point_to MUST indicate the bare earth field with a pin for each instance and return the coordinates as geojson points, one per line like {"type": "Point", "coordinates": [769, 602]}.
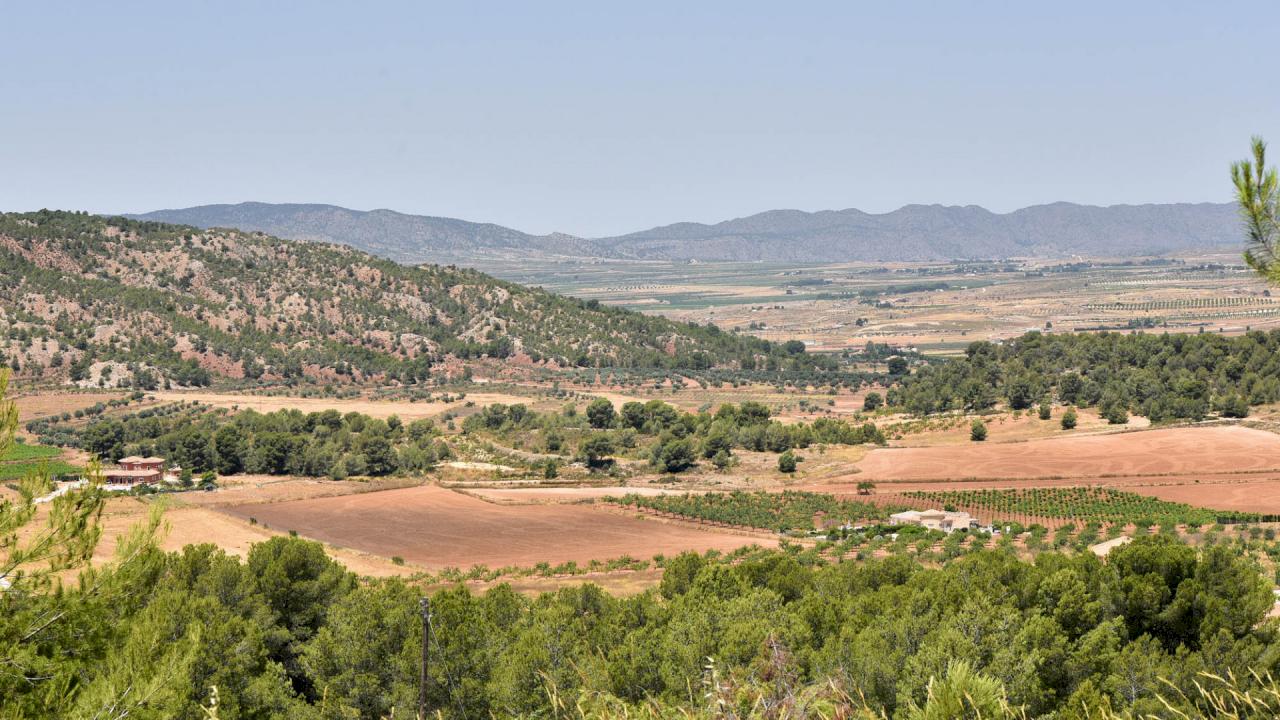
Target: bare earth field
{"type": "Point", "coordinates": [543, 495]}
{"type": "Point", "coordinates": [437, 528]}
{"type": "Point", "coordinates": [1249, 496]}
{"type": "Point", "coordinates": [1174, 451]}
{"type": "Point", "coordinates": [44, 404]}
{"type": "Point", "coordinates": [244, 489]}
{"type": "Point", "coordinates": [1134, 483]}
{"type": "Point", "coordinates": [1005, 428]}
{"type": "Point", "coordinates": [374, 408]}
{"type": "Point", "coordinates": [195, 525]}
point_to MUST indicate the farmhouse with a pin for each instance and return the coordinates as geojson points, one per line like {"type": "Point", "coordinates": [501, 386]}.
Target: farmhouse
{"type": "Point", "coordinates": [133, 462]}
{"type": "Point", "coordinates": [135, 470]}
{"type": "Point", "coordinates": [943, 520]}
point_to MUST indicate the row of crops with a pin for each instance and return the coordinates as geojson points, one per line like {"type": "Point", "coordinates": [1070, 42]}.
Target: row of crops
{"type": "Point", "coordinates": [784, 511]}
{"type": "Point", "coordinates": [1087, 504]}
{"type": "Point", "coordinates": [1182, 304]}
{"type": "Point", "coordinates": [22, 459]}
{"type": "Point", "coordinates": [22, 451]}
{"type": "Point", "coordinates": [19, 470]}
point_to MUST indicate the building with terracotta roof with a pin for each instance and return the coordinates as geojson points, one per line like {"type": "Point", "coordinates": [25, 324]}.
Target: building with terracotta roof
{"type": "Point", "coordinates": [133, 462]}
{"type": "Point", "coordinates": [135, 470]}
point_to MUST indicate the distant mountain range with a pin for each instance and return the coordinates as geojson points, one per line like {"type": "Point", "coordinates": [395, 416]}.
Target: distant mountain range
{"type": "Point", "coordinates": [397, 236]}
{"type": "Point", "coordinates": [913, 232]}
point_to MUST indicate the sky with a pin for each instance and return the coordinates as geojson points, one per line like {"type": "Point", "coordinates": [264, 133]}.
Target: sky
{"type": "Point", "coordinates": [598, 118]}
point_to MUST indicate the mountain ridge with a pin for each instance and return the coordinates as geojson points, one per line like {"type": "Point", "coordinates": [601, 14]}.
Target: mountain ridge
{"type": "Point", "coordinates": [914, 232]}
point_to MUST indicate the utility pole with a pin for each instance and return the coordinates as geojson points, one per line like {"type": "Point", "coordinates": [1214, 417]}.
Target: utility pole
{"type": "Point", "coordinates": [424, 605]}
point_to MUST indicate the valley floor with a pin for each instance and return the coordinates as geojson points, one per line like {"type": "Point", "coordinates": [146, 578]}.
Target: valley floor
{"type": "Point", "coordinates": [463, 517]}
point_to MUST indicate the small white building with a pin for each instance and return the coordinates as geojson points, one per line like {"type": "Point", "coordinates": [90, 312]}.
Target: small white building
{"type": "Point", "coordinates": [943, 520]}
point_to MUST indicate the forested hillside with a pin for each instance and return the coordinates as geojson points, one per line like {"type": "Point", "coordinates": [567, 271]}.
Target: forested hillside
{"type": "Point", "coordinates": [110, 301]}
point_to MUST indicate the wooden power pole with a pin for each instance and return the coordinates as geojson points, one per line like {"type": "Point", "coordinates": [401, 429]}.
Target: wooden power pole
{"type": "Point", "coordinates": [424, 605]}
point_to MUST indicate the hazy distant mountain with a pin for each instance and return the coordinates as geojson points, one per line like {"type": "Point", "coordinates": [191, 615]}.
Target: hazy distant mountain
{"type": "Point", "coordinates": [913, 232]}
{"type": "Point", "coordinates": [932, 232]}
{"type": "Point", "coordinates": [393, 235]}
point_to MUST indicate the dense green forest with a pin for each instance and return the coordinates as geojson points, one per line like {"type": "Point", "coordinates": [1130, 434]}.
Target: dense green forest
{"type": "Point", "coordinates": [1162, 377]}
{"type": "Point", "coordinates": [287, 633]}
{"type": "Point", "coordinates": [181, 305]}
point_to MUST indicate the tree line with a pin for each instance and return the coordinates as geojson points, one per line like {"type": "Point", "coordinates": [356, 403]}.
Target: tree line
{"type": "Point", "coordinates": [1163, 377]}
{"type": "Point", "coordinates": [284, 442]}
{"type": "Point", "coordinates": [671, 439]}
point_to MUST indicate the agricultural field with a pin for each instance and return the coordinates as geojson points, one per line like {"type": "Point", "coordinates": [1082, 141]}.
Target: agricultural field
{"type": "Point", "coordinates": [518, 518]}
{"type": "Point", "coordinates": [23, 459]}
{"type": "Point", "coordinates": [937, 307]}
{"type": "Point", "coordinates": [1030, 521]}
{"type": "Point", "coordinates": [47, 404]}
{"type": "Point", "coordinates": [1179, 451]}
{"type": "Point", "coordinates": [1248, 494]}
{"type": "Point", "coordinates": [16, 470]}
{"type": "Point", "coordinates": [436, 528]}
{"type": "Point", "coordinates": [404, 409]}
{"type": "Point", "coordinates": [21, 451]}
{"type": "Point", "coordinates": [781, 511]}
{"type": "Point", "coordinates": [187, 524]}
{"type": "Point", "coordinates": [1080, 504]}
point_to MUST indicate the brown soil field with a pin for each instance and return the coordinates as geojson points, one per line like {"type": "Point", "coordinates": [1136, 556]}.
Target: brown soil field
{"type": "Point", "coordinates": [1172, 451]}
{"type": "Point", "coordinates": [1249, 496]}
{"type": "Point", "coordinates": [382, 409]}
{"type": "Point", "coordinates": [45, 404]}
{"type": "Point", "coordinates": [545, 495]}
{"type": "Point", "coordinates": [374, 408]}
{"type": "Point", "coordinates": [439, 528]}
{"type": "Point", "coordinates": [1005, 427]}
{"type": "Point", "coordinates": [1136, 483]}
{"type": "Point", "coordinates": [247, 489]}
{"type": "Point", "coordinates": [193, 525]}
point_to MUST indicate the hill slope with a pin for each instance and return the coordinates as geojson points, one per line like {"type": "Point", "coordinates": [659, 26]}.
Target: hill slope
{"type": "Point", "coordinates": [914, 232]}
{"type": "Point", "coordinates": [96, 298]}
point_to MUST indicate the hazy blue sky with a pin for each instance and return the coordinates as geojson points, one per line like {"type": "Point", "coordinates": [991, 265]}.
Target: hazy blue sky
{"type": "Point", "coordinates": [594, 119]}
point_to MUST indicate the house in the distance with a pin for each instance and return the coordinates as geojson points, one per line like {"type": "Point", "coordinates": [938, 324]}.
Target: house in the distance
{"type": "Point", "coordinates": [135, 470]}
{"type": "Point", "coordinates": [943, 520]}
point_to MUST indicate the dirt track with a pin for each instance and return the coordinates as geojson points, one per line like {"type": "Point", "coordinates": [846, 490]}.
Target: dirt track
{"type": "Point", "coordinates": [438, 528]}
